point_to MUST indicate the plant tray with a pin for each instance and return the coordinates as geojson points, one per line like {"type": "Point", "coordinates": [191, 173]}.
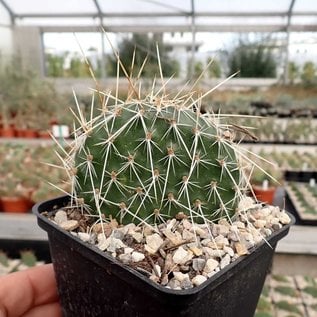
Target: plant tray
{"type": "Point", "coordinates": [299, 176]}
{"type": "Point", "coordinates": [300, 203]}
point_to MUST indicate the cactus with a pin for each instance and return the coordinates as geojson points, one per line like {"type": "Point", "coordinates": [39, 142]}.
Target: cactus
{"type": "Point", "coordinates": [148, 159]}
{"type": "Point", "coordinates": [145, 160]}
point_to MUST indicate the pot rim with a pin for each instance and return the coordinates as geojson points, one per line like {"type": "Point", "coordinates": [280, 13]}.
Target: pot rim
{"type": "Point", "coordinates": [217, 279]}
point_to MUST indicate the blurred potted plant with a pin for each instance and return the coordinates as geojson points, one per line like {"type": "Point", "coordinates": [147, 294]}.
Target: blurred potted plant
{"type": "Point", "coordinates": [14, 89]}
{"type": "Point", "coordinates": [265, 181]}
{"type": "Point", "coordinates": [18, 179]}
{"type": "Point", "coordinates": [24, 96]}
{"type": "Point", "coordinates": [15, 197]}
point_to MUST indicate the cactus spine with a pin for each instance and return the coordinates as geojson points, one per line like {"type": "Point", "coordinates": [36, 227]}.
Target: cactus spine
{"type": "Point", "coordinates": [150, 159]}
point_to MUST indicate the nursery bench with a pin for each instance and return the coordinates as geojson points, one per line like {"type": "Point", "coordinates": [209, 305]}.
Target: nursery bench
{"type": "Point", "coordinates": [20, 232]}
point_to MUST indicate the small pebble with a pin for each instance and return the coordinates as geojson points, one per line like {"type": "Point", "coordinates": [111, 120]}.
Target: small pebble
{"type": "Point", "coordinates": [225, 261]}
{"type": "Point", "coordinates": [153, 243]}
{"type": "Point", "coordinates": [181, 256]}
{"type": "Point", "coordinates": [179, 276]}
{"type": "Point", "coordinates": [84, 236]}
{"type": "Point", "coordinates": [284, 218]}
{"type": "Point", "coordinates": [199, 279]}
{"type": "Point", "coordinates": [69, 225]}
{"type": "Point", "coordinates": [125, 258]}
{"type": "Point", "coordinates": [199, 264]}
{"type": "Point", "coordinates": [60, 216]}
{"type": "Point", "coordinates": [241, 249]}
{"type": "Point", "coordinates": [211, 265]}
{"type": "Point", "coordinates": [137, 256]}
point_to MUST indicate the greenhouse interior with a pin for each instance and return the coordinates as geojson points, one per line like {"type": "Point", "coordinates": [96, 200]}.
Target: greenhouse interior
{"type": "Point", "coordinates": [140, 110]}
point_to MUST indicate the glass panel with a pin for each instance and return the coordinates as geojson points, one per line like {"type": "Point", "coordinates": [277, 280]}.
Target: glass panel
{"type": "Point", "coordinates": [305, 6]}
{"type": "Point", "coordinates": [141, 6]}
{"type": "Point", "coordinates": [51, 7]}
{"type": "Point", "coordinates": [56, 22]}
{"type": "Point", "coordinates": [85, 8]}
{"type": "Point", "coordinates": [241, 20]}
{"type": "Point", "coordinates": [242, 6]}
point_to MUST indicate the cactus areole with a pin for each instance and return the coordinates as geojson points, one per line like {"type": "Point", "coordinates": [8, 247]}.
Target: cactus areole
{"type": "Point", "coordinates": [152, 159]}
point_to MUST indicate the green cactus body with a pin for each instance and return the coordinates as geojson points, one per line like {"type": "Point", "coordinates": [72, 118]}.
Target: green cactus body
{"type": "Point", "coordinates": [143, 161]}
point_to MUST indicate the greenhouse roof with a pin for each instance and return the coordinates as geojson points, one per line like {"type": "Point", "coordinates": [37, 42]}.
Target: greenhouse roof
{"type": "Point", "coordinates": [164, 15]}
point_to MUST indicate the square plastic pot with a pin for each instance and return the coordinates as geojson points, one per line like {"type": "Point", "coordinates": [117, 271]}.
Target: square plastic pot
{"type": "Point", "coordinates": [92, 283]}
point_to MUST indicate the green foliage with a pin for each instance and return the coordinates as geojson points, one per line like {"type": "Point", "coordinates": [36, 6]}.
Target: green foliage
{"type": "Point", "coordinates": [142, 47]}
{"type": "Point", "coordinates": [312, 290]}
{"type": "Point", "coordinates": [28, 258]}
{"type": "Point", "coordinates": [4, 260]}
{"type": "Point", "coordinates": [310, 280]}
{"type": "Point", "coordinates": [55, 65]}
{"type": "Point", "coordinates": [284, 305]}
{"type": "Point", "coordinates": [293, 72]}
{"type": "Point", "coordinates": [78, 68]}
{"type": "Point", "coordinates": [22, 169]}
{"type": "Point", "coordinates": [308, 75]}
{"type": "Point", "coordinates": [286, 290]}
{"type": "Point", "coordinates": [265, 291]}
{"type": "Point", "coordinates": [252, 60]}
{"type": "Point", "coordinates": [214, 70]}
{"type": "Point", "coordinates": [198, 69]}
{"type": "Point", "coordinates": [264, 305]}
{"type": "Point", "coordinates": [24, 95]}
{"type": "Point", "coordinates": [280, 278]}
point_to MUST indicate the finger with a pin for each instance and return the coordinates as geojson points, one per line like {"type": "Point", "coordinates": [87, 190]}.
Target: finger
{"type": "Point", "coordinates": [47, 310]}
{"type": "Point", "coordinates": [21, 291]}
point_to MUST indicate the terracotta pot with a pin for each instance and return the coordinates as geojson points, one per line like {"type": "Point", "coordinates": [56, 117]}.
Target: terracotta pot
{"type": "Point", "coordinates": [30, 133]}
{"type": "Point", "coordinates": [45, 134]}
{"type": "Point", "coordinates": [264, 195]}
{"type": "Point", "coordinates": [8, 132]}
{"type": "Point", "coordinates": [16, 204]}
{"type": "Point", "coordinates": [19, 133]}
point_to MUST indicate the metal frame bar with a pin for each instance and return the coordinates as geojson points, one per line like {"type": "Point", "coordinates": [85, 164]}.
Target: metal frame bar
{"type": "Point", "coordinates": [103, 51]}
{"type": "Point", "coordinates": [161, 14]}
{"type": "Point", "coordinates": [9, 10]}
{"type": "Point", "coordinates": [288, 26]}
{"type": "Point", "coordinates": [215, 28]}
{"type": "Point", "coordinates": [193, 44]}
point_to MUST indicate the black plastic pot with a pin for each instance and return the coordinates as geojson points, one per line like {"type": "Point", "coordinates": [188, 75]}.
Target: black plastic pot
{"type": "Point", "coordinates": [92, 283]}
{"type": "Point", "coordinates": [299, 176]}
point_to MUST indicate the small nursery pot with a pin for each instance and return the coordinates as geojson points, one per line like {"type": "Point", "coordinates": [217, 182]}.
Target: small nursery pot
{"type": "Point", "coordinates": [264, 195]}
{"type": "Point", "coordinates": [8, 132]}
{"type": "Point", "coordinates": [92, 283]}
{"type": "Point", "coordinates": [16, 204]}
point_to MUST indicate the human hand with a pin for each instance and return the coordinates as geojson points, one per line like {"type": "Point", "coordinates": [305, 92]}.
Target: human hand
{"type": "Point", "coordinates": [30, 293]}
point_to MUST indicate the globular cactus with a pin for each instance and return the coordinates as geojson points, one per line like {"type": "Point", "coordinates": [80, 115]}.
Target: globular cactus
{"type": "Point", "coordinates": [146, 160]}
